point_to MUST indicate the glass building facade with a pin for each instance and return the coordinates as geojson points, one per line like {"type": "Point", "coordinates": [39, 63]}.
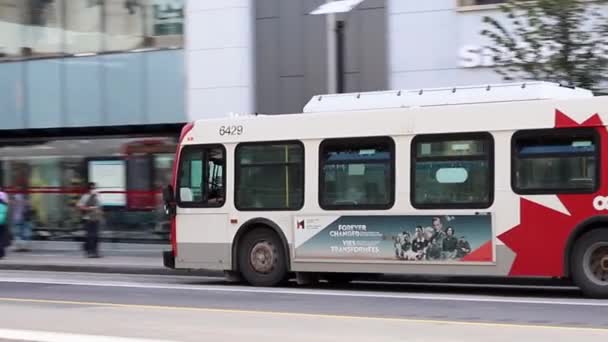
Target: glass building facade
{"type": "Point", "coordinates": [91, 90]}
{"type": "Point", "coordinates": [47, 28]}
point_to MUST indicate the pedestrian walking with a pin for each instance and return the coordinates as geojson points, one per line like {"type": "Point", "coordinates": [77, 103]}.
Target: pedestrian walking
{"type": "Point", "coordinates": [4, 231]}
{"type": "Point", "coordinates": [22, 215]}
{"type": "Point", "coordinates": [92, 214]}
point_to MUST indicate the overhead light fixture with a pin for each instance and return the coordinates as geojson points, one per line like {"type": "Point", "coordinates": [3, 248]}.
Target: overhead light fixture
{"type": "Point", "coordinates": [85, 54]}
{"type": "Point", "coordinates": [334, 7]}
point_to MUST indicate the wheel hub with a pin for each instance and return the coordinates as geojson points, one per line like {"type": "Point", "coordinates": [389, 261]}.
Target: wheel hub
{"type": "Point", "coordinates": [604, 263]}
{"type": "Point", "coordinates": [596, 263]}
{"type": "Point", "coordinates": [262, 257]}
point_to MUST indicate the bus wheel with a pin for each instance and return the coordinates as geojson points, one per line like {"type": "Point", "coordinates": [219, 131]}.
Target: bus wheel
{"type": "Point", "coordinates": [590, 263]}
{"type": "Point", "coordinates": [262, 259]}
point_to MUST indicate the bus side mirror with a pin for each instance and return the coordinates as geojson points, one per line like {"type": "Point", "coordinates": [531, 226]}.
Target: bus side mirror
{"type": "Point", "coordinates": [169, 199]}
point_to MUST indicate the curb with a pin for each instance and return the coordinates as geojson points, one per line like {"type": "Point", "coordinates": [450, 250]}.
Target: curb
{"type": "Point", "coordinates": [110, 270]}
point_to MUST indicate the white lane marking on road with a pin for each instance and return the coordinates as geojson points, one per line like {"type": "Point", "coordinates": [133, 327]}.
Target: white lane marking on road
{"type": "Point", "coordinates": [44, 336]}
{"type": "Point", "coordinates": [303, 292]}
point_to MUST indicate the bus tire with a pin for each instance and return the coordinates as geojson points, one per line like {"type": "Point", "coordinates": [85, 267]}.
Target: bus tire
{"type": "Point", "coordinates": [589, 264]}
{"type": "Point", "coordinates": [262, 259]}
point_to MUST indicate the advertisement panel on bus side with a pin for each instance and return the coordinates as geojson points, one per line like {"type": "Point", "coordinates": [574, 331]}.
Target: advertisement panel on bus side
{"type": "Point", "coordinates": [411, 238]}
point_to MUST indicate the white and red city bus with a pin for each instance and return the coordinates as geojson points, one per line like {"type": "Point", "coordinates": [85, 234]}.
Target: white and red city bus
{"type": "Point", "coordinates": [499, 180]}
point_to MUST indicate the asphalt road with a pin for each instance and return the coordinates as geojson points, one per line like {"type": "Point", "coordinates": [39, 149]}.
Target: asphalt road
{"type": "Point", "coordinates": [45, 306]}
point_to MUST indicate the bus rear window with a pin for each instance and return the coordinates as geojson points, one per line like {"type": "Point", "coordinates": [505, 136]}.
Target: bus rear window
{"type": "Point", "coordinates": [555, 161]}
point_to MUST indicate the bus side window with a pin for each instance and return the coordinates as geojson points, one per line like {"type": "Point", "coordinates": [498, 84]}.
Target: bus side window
{"type": "Point", "coordinates": [452, 171]}
{"type": "Point", "coordinates": [553, 161]}
{"type": "Point", "coordinates": [269, 176]}
{"type": "Point", "coordinates": [357, 174]}
{"type": "Point", "coordinates": [202, 176]}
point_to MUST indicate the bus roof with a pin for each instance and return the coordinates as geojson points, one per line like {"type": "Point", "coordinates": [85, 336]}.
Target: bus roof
{"type": "Point", "coordinates": [505, 92]}
{"type": "Point", "coordinates": [495, 113]}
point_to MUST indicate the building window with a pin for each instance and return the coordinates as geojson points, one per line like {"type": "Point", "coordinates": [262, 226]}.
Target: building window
{"type": "Point", "coordinates": [11, 29]}
{"type": "Point", "coordinates": [202, 176]}
{"type": "Point", "coordinates": [49, 28]}
{"type": "Point", "coordinates": [357, 173]}
{"type": "Point", "coordinates": [555, 161]}
{"type": "Point", "coordinates": [135, 24]}
{"type": "Point", "coordinates": [125, 22]}
{"type": "Point", "coordinates": [83, 26]}
{"type": "Point", "coordinates": [167, 18]}
{"type": "Point", "coordinates": [465, 3]}
{"type": "Point", "coordinates": [31, 28]}
{"type": "Point", "coordinates": [270, 176]}
{"type": "Point", "coordinates": [452, 171]}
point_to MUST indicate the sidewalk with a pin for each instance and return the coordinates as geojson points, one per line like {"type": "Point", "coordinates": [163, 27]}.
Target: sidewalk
{"type": "Point", "coordinates": [117, 258]}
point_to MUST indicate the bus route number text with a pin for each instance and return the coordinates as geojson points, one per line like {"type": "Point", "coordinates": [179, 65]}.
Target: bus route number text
{"type": "Point", "coordinates": [231, 130]}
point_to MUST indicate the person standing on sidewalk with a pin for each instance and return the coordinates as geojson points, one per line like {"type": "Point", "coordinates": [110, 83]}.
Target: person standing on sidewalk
{"type": "Point", "coordinates": [4, 233]}
{"type": "Point", "coordinates": [22, 216]}
{"type": "Point", "coordinates": [92, 214]}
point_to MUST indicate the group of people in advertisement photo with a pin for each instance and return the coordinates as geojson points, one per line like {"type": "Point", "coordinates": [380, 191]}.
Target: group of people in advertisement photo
{"type": "Point", "coordinates": [431, 243]}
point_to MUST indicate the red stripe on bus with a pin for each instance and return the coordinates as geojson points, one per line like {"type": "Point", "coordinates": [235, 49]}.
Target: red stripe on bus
{"type": "Point", "coordinates": [79, 191]}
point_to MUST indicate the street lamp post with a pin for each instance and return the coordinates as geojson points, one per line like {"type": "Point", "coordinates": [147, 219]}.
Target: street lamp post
{"type": "Point", "coordinates": [332, 61]}
{"type": "Point", "coordinates": [336, 40]}
{"type": "Point", "coordinates": [340, 60]}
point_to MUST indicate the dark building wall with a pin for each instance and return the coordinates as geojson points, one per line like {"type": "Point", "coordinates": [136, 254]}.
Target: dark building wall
{"type": "Point", "coordinates": [291, 50]}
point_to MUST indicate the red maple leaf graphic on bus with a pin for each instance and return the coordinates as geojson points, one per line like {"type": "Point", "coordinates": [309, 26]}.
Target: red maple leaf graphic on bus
{"type": "Point", "coordinates": [540, 238]}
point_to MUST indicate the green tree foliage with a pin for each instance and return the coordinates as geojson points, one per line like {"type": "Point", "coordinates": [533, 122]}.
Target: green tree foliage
{"type": "Point", "coordinates": [551, 40]}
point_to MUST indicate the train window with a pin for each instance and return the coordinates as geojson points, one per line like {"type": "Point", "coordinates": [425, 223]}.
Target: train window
{"type": "Point", "coordinates": [109, 176]}
{"type": "Point", "coordinates": [555, 161]}
{"type": "Point", "coordinates": [140, 171]}
{"type": "Point", "coordinates": [269, 176]}
{"type": "Point", "coordinates": [202, 176]}
{"type": "Point", "coordinates": [452, 171]}
{"type": "Point", "coordinates": [357, 174]}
